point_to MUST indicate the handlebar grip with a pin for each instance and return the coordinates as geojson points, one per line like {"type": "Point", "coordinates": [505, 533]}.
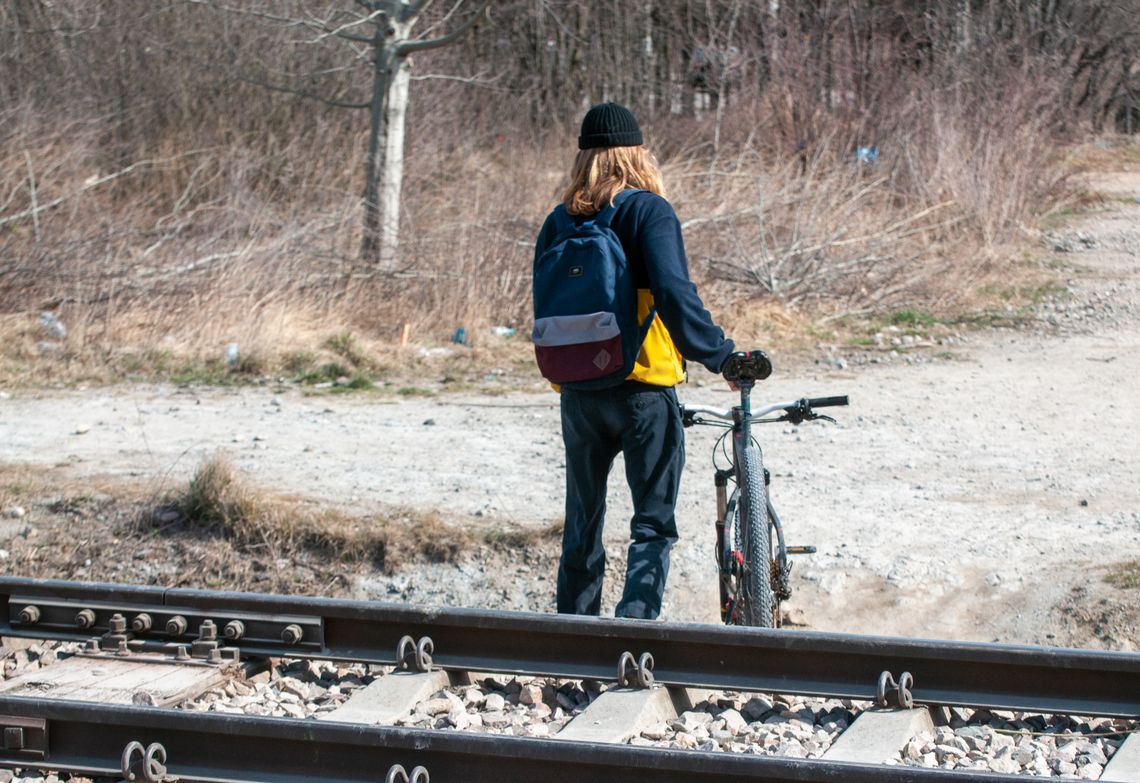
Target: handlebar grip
{"type": "Point", "coordinates": [824, 402]}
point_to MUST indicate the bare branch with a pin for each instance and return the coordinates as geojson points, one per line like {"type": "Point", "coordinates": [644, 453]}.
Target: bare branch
{"type": "Point", "coordinates": [412, 10]}
{"type": "Point", "coordinates": [728, 216]}
{"type": "Point", "coordinates": [409, 47]}
{"type": "Point", "coordinates": [192, 266]}
{"type": "Point", "coordinates": [88, 185]}
{"type": "Point", "coordinates": [439, 22]}
{"type": "Point", "coordinates": [32, 189]}
{"type": "Point", "coordinates": [478, 79]}
{"type": "Point", "coordinates": [286, 20]}
{"type": "Point", "coordinates": [342, 30]}
{"type": "Point", "coordinates": [562, 25]}
{"type": "Point", "coordinates": [302, 93]}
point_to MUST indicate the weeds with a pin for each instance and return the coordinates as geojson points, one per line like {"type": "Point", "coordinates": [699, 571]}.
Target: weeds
{"type": "Point", "coordinates": [329, 372]}
{"type": "Point", "coordinates": [913, 319]}
{"type": "Point", "coordinates": [1125, 575]}
{"type": "Point", "coordinates": [522, 538]}
{"type": "Point", "coordinates": [218, 501]}
{"type": "Point", "coordinates": [345, 346]}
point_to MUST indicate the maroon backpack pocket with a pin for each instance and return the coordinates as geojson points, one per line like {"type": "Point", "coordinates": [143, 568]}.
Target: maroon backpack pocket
{"type": "Point", "coordinates": [572, 348]}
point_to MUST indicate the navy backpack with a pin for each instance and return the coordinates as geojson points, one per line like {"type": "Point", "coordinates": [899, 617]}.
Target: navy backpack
{"type": "Point", "coordinates": [586, 333]}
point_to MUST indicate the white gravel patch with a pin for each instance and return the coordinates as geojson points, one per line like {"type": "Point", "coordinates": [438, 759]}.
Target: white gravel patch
{"type": "Point", "coordinates": [1019, 744]}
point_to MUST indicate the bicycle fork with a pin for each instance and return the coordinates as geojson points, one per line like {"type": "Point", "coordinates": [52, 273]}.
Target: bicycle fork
{"type": "Point", "coordinates": [730, 563]}
{"type": "Point", "coordinates": [721, 481]}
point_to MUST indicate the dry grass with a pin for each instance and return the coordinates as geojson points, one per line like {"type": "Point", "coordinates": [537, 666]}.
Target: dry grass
{"type": "Point", "coordinates": [1125, 575]}
{"type": "Point", "coordinates": [219, 501]}
{"type": "Point", "coordinates": [523, 539]}
{"type": "Point", "coordinates": [219, 531]}
{"type": "Point", "coordinates": [158, 261]}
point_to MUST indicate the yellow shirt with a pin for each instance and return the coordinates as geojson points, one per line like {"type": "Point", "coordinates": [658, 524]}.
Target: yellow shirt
{"type": "Point", "coordinates": [659, 363]}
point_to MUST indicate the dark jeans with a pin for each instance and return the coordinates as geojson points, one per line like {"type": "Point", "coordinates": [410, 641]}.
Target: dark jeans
{"type": "Point", "coordinates": [643, 423]}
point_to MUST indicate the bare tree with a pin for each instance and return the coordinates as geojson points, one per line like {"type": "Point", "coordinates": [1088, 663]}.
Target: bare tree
{"type": "Point", "coordinates": [379, 36]}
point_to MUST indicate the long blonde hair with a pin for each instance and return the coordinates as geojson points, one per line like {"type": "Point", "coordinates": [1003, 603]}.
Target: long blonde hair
{"type": "Point", "coordinates": [601, 173]}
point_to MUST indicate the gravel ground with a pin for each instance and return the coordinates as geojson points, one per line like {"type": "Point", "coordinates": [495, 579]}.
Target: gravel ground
{"type": "Point", "coordinates": [981, 486]}
{"type": "Point", "coordinates": [765, 724]}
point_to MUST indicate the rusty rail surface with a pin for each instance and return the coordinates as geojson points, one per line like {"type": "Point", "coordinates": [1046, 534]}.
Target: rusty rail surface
{"type": "Point", "coordinates": [212, 624]}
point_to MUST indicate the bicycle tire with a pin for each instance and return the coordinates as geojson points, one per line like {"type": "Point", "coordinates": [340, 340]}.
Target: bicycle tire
{"type": "Point", "coordinates": [753, 526]}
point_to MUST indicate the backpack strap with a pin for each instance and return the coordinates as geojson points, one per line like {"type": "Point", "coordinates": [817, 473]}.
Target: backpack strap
{"type": "Point", "coordinates": [565, 223]}
{"type": "Point", "coordinates": [562, 220]}
{"type": "Point", "coordinates": [604, 217]}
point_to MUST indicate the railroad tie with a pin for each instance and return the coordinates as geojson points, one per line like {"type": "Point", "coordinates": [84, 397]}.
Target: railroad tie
{"type": "Point", "coordinates": [622, 713]}
{"type": "Point", "coordinates": [877, 734]}
{"type": "Point", "coordinates": [138, 679]}
{"type": "Point", "coordinates": [1124, 766]}
{"type": "Point", "coordinates": [389, 698]}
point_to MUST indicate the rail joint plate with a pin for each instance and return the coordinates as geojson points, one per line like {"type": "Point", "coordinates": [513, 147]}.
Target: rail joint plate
{"type": "Point", "coordinates": [24, 738]}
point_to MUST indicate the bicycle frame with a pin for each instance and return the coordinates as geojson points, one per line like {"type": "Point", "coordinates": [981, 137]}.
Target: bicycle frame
{"type": "Point", "coordinates": [742, 417]}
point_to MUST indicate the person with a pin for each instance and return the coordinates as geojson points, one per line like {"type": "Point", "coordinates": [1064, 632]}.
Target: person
{"type": "Point", "coordinates": [640, 418]}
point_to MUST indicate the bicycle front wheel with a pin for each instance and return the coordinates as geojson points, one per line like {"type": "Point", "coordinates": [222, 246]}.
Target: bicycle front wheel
{"type": "Point", "coordinates": [755, 585]}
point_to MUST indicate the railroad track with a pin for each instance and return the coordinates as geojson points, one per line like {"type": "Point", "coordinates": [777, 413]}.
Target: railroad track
{"type": "Point", "coordinates": [219, 629]}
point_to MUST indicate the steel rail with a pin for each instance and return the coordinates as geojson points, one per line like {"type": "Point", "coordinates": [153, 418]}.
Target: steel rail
{"type": "Point", "coordinates": [88, 738]}
{"type": "Point", "coordinates": [997, 676]}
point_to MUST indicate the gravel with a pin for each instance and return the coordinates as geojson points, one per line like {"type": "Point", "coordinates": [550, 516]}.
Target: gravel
{"type": "Point", "coordinates": [1020, 744]}
{"type": "Point", "coordinates": [762, 724]}
{"type": "Point", "coordinates": [732, 722]}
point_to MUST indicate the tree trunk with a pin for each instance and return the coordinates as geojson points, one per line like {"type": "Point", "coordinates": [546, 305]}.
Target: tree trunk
{"type": "Point", "coordinates": [371, 242]}
{"type": "Point", "coordinates": [384, 170]}
{"type": "Point", "coordinates": [393, 175]}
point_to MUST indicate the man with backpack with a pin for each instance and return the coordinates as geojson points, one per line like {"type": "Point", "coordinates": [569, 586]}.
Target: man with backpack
{"type": "Point", "coordinates": [616, 316]}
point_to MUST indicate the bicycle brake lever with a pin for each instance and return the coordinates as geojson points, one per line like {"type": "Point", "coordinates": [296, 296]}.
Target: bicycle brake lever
{"type": "Point", "coordinates": [825, 418]}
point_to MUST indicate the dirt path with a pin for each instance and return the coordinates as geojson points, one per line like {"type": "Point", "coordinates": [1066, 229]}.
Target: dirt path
{"type": "Point", "coordinates": [963, 496]}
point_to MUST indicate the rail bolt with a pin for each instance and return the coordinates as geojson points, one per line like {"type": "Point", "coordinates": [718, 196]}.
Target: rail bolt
{"type": "Point", "coordinates": [30, 615]}
{"type": "Point", "coordinates": [117, 623]}
{"type": "Point", "coordinates": [85, 618]}
{"type": "Point", "coordinates": [176, 625]}
{"type": "Point", "coordinates": [234, 630]}
{"type": "Point", "coordinates": [207, 631]}
{"type": "Point", "coordinates": [292, 634]}
{"type": "Point", "coordinates": [141, 623]}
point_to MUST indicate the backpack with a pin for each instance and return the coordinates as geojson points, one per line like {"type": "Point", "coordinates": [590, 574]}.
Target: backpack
{"type": "Point", "coordinates": [586, 333]}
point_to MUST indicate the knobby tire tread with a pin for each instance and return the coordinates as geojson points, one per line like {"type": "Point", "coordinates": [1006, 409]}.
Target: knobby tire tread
{"type": "Point", "coordinates": [754, 526]}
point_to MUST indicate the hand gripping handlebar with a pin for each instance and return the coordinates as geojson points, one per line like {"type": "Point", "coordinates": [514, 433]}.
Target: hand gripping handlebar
{"type": "Point", "coordinates": [750, 366]}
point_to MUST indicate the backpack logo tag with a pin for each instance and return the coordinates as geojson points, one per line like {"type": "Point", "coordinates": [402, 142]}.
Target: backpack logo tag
{"type": "Point", "coordinates": [602, 360]}
{"type": "Point", "coordinates": [576, 271]}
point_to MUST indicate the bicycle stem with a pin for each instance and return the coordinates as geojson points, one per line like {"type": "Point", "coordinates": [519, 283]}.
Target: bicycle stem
{"type": "Point", "coordinates": [742, 415]}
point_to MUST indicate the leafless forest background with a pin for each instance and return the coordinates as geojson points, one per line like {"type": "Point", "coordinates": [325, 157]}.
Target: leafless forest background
{"type": "Point", "coordinates": [169, 185]}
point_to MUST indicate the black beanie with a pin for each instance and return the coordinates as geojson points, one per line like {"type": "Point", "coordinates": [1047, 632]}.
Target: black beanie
{"type": "Point", "coordinates": [609, 125]}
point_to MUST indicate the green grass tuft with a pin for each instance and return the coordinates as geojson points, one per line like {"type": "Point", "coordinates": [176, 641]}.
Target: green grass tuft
{"type": "Point", "coordinates": [912, 318]}
{"type": "Point", "coordinates": [1125, 576]}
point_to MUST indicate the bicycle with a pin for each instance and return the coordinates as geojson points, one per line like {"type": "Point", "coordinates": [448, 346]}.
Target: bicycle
{"type": "Point", "coordinates": [754, 575]}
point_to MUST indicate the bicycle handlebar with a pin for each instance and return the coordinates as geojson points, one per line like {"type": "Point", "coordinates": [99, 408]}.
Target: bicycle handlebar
{"type": "Point", "coordinates": [795, 410]}
{"type": "Point", "coordinates": [824, 402]}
